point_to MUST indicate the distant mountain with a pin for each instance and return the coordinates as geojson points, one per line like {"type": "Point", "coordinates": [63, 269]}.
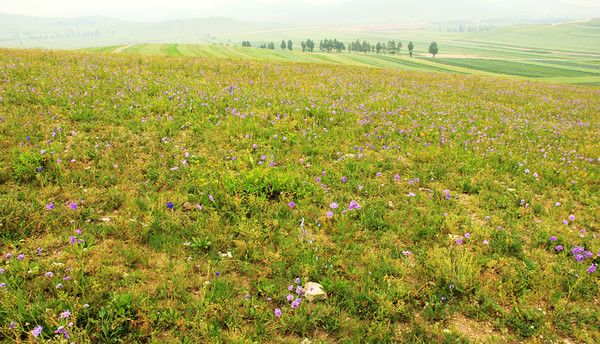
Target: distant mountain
{"type": "Point", "coordinates": [386, 11]}
{"type": "Point", "coordinates": [27, 31]}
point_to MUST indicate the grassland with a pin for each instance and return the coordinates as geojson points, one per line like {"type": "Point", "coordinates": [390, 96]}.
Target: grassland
{"type": "Point", "coordinates": [176, 199]}
{"type": "Point", "coordinates": [472, 53]}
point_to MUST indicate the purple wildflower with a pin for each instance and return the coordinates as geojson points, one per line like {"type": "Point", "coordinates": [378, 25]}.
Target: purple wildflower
{"type": "Point", "coordinates": [329, 214]}
{"type": "Point", "coordinates": [21, 257]}
{"type": "Point", "coordinates": [447, 193]}
{"type": "Point", "coordinates": [565, 222]}
{"type": "Point", "coordinates": [553, 238]}
{"type": "Point", "coordinates": [411, 194]}
{"type": "Point", "coordinates": [211, 198]}
{"type": "Point", "coordinates": [298, 280]}
{"type": "Point", "coordinates": [295, 303]}
{"type": "Point", "coordinates": [353, 205]}
{"type": "Point", "coordinates": [170, 205]}
{"type": "Point", "coordinates": [290, 287]}
{"type": "Point", "coordinates": [38, 251]}
{"type": "Point", "coordinates": [62, 330]}
{"type": "Point", "coordinates": [292, 205]}
{"type": "Point", "coordinates": [2, 285]}
{"type": "Point", "coordinates": [37, 331]}
{"type": "Point", "coordinates": [72, 240]}
{"type": "Point", "coordinates": [49, 274]}
{"type": "Point", "coordinates": [572, 217]}
{"type": "Point", "coordinates": [591, 269]}
{"type": "Point", "coordinates": [290, 297]}
{"type": "Point", "coordinates": [64, 315]}
{"type": "Point", "coordinates": [277, 313]}
{"type": "Point", "coordinates": [333, 205]}
{"type": "Point", "coordinates": [12, 325]}
{"type": "Point", "coordinates": [73, 205]}
{"type": "Point", "coordinates": [344, 179]}
{"type": "Point", "coordinates": [467, 235]}
{"type": "Point", "coordinates": [459, 241]}
{"type": "Point", "coordinates": [50, 206]}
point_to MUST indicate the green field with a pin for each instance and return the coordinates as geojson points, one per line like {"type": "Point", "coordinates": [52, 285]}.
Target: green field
{"type": "Point", "coordinates": [176, 199]}
{"type": "Point", "coordinates": [550, 53]}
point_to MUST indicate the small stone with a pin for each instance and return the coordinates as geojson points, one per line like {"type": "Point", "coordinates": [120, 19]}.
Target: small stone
{"type": "Point", "coordinates": [226, 255]}
{"type": "Point", "coordinates": [314, 291]}
{"type": "Point", "coordinates": [105, 219]}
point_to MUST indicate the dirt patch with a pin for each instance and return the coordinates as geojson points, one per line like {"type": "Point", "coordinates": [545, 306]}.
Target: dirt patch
{"type": "Point", "coordinates": [475, 331]}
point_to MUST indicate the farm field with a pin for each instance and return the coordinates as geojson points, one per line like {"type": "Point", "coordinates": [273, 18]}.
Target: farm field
{"type": "Point", "coordinates": [546, 66]}
{"type": "Point", "coordinates": [163, 193]}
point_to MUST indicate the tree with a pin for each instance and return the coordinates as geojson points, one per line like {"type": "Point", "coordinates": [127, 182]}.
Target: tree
{"type": "Point", "coordinates": [303, 45]}
{"type": "Point", "coordinates": [366, 47]}
{"type": "Point", "coordinates": [310, 45]}
{"type": "Point", "coordinates": [271, 46]}
{"type": "Point", "coordinates": [283, 45]}
{"type": "Point", "coordinates": [411, 47]}
{"type": "Point", "coordinates": [391, 46]}
{"type": "Point", "coordinates": [289, 44]}
{"type": "Point", "coordinates": [433, 49]}
{"type": "Point", "coordinates": [398, 47]}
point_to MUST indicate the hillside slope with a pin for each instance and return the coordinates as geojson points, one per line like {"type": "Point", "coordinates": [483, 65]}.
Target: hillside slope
{"type": "Point", "coordinates": [173, 199]}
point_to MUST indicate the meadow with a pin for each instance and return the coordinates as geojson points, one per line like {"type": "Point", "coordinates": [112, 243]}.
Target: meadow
{"type": "Point", "coordinates": [175, 199]}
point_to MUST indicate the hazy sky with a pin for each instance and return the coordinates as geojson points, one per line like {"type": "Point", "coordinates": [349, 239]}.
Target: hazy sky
{"type": "Point", "coordinates": [160, 9]}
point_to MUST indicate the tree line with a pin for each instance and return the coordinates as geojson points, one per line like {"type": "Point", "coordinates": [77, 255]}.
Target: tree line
{"type": "Point", "coordinates": [330, 45]}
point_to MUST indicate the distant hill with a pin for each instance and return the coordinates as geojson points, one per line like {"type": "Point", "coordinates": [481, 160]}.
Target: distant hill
{"type": "Point", "coordinates": [28, 31]}
{"type": "Point", "coordinates": [85, 32]}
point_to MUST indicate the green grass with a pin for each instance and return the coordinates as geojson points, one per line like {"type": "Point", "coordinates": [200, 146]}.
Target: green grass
{"type": "Point", "coordinates": [205, 186]}
{"type": "Point", "coordinates": [514, 68]}
{"type": "Point", "coordinates": [514, 64]}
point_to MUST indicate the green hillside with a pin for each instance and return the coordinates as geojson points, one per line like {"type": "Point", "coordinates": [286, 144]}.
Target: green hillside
{"type": "Point", "coordinates": [548, 67]}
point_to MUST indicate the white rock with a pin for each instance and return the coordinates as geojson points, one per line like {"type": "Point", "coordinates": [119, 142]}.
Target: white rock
{"type": "Point", "coordinates": [226, 255]}
{"type": "Point", "coordinates": [314, 291]}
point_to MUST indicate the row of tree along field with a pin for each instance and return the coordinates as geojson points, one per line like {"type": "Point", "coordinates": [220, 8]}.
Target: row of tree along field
{"type": "Point", "coordinates": [333, 45]}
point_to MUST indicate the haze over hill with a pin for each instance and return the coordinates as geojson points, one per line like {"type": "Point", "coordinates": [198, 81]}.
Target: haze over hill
{"type": "Point", "coordinates": [312, 11]}
{"type": "Point", "coordinates": [95, 31]}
